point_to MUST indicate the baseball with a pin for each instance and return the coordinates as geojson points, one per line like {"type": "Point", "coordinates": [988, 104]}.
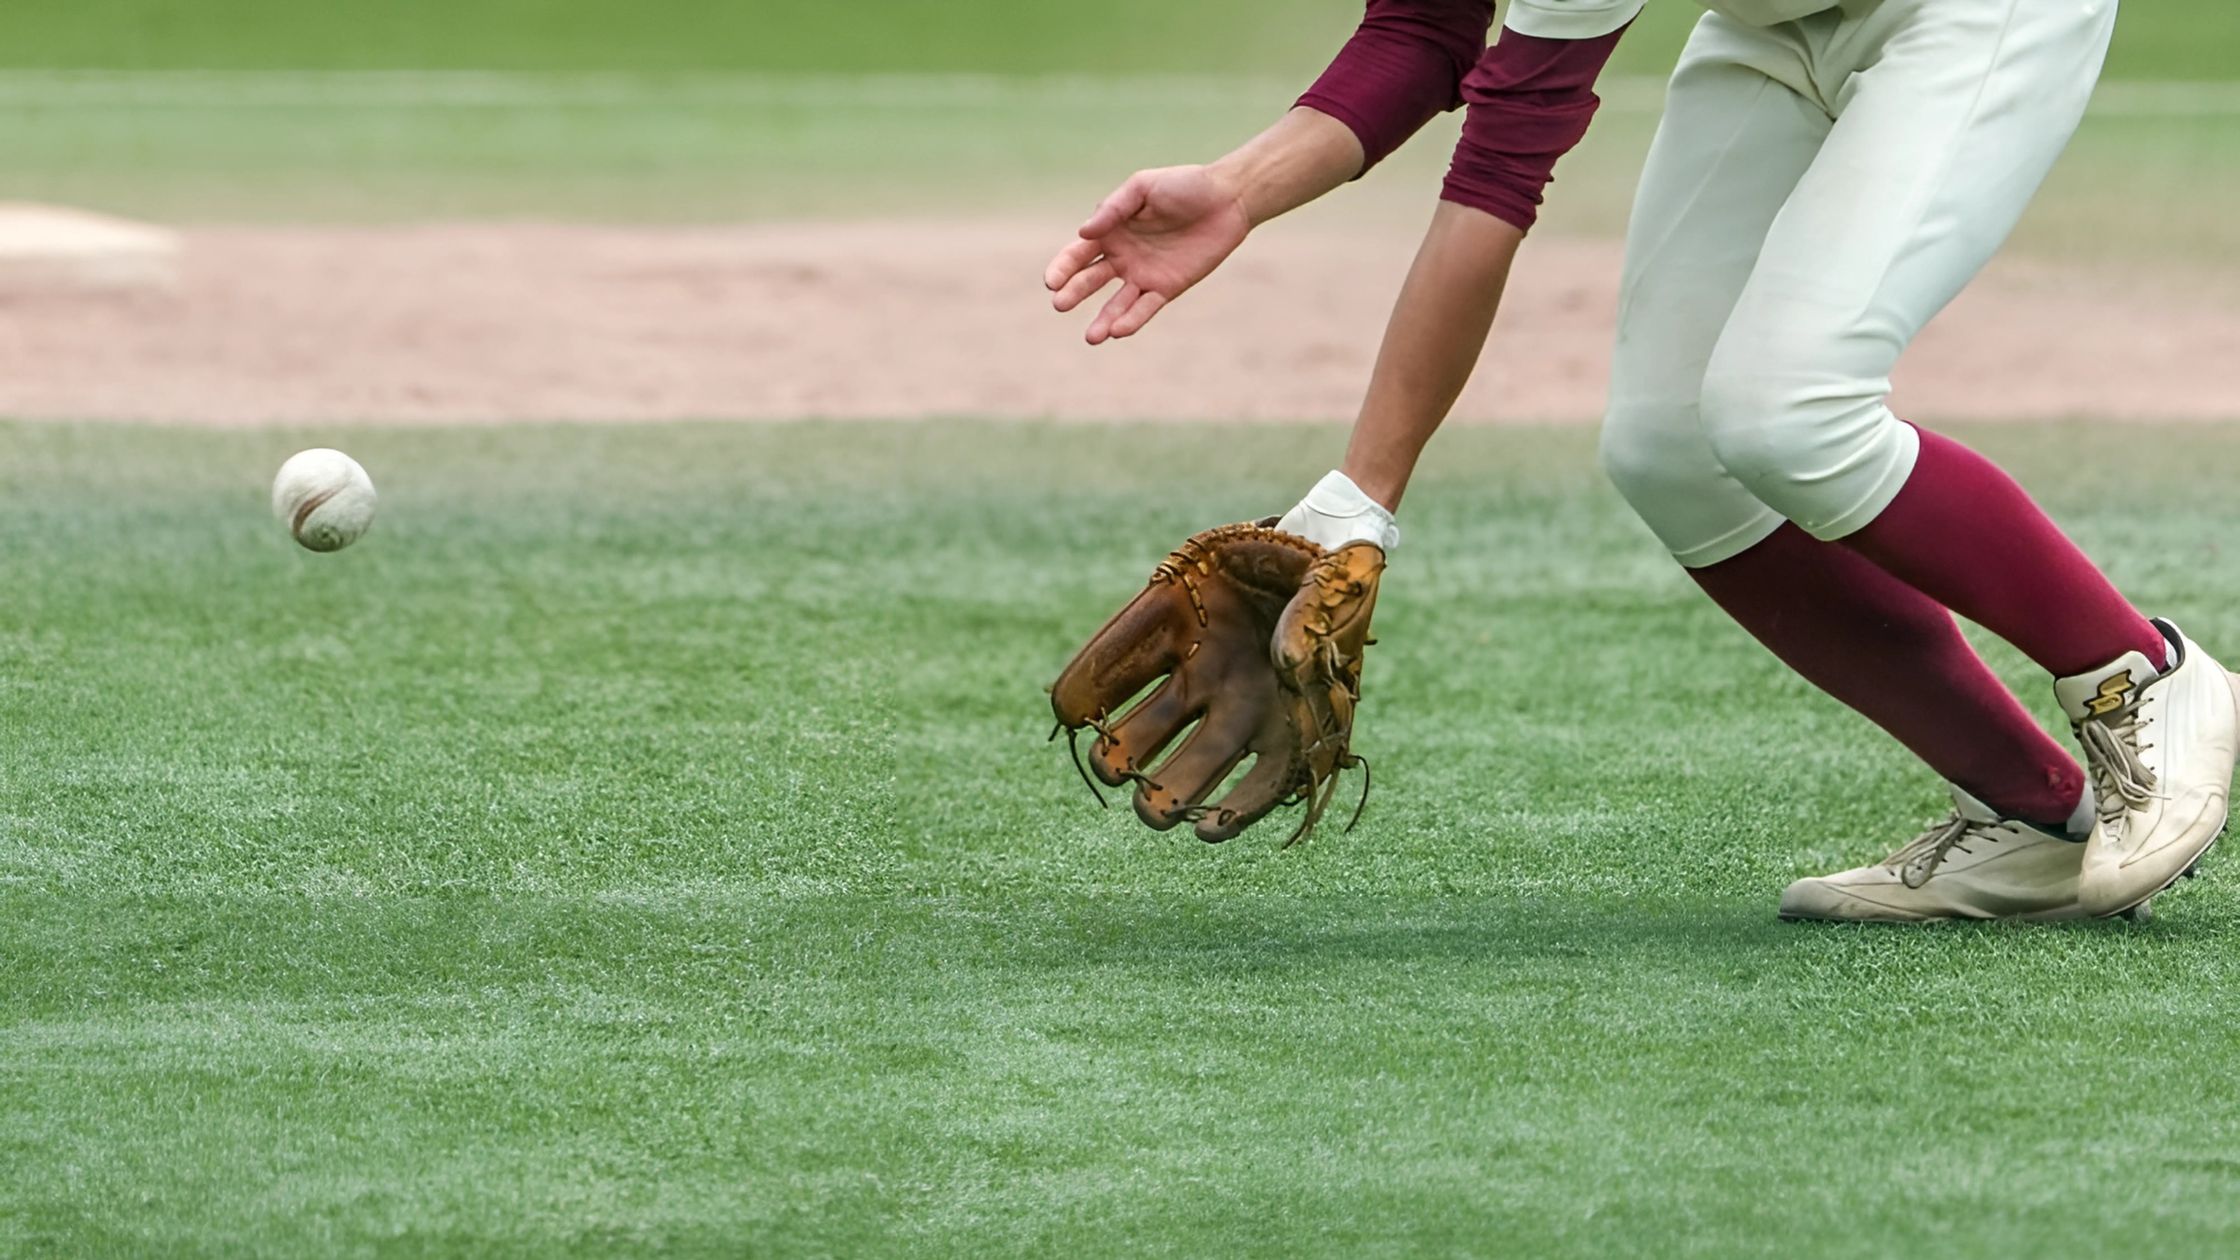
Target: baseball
{"type": "Point", "coordinates": [324, 498]}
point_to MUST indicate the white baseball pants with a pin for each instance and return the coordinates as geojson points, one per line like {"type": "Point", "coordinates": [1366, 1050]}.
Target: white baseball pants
{"type": "Point", "coordinates": [1818, 190]}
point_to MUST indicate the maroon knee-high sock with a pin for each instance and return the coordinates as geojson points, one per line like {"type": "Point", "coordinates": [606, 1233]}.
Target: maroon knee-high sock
{"type": "Point", "coordinates": [1894, 654]}
{"type": "Point", "coordinates": [1964, 534]}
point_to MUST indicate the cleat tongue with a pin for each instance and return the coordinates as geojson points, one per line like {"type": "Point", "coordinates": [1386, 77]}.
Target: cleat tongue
{"type": "Point", "coordinates": [2109, 689]}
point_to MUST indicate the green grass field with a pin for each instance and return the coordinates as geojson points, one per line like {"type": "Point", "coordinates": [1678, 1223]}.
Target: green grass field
{"type": "Point", "coordinates": [2146, 181]}
{"type": "Point", "coordinates": [267, 111]}
{"type": "Point", "coordinates": [2178, 39]}
{"type": "Point", "coordinates": [645, 841]}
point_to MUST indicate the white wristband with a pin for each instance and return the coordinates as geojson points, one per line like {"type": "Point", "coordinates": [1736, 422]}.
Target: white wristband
{"type": "Point", "coordinates": [1337, 512]}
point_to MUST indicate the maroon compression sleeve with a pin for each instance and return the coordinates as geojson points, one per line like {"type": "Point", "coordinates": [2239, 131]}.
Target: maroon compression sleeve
{"type": "Point", "coordinates": [1530, 101]}
{"type": "Point", "coordinates": [1963, 532]}
{"type": "Point", "coordinates": [1403, 65]}
{"type": "Point", "coordinates": [1893, 653]}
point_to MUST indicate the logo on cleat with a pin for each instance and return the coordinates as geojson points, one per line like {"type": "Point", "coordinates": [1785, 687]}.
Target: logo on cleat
{"type": "Point", "coordinates": [2110, 697]}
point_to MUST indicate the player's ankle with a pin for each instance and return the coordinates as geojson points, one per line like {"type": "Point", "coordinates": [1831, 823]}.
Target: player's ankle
{"type": "Point", "coordinates": [2066, 807]}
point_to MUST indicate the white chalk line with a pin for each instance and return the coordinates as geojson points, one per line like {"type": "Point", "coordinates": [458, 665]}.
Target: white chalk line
{"type": "Point", "coordinates": [481, 89]}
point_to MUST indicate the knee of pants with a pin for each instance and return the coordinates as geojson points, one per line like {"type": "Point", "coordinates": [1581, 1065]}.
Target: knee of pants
{"type": "Point", "coordinates": [1654, 452]}
{"type": "Point", "coordinates": [1646, 457]}
{"type": "Point", "coordinates": [1753, 424]}
{"type": "Point", "coordinates": [1820, 449]}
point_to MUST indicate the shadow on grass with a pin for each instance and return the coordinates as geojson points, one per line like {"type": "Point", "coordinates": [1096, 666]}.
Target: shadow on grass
{"type": "Point", "coordinates": [1309, 933]}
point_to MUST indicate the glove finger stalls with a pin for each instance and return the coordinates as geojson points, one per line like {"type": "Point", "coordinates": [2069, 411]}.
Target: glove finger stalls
{"type": "Point", "coordinates": [1141, 642]}
{"type": "Point", "coordinates": [1265, 786]}
{"type": "Point", "coordinates": [1206, 758]}
{"type": "Point", "coordinates": [1140, 734]}
{"type": "Point", "coordinates": [1261, 626]}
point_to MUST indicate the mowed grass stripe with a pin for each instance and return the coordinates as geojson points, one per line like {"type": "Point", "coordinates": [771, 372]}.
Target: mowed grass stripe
{"type": "Point", "coordinates": [358, 146]}
{"type": "Point", "coordinates": [495, 89]}
{"type": "Point", "coordinates": [1246, 1076]}
{"type": "Point", "coordinates": [2183, 39]}
{"type": "Point", "coordinates": [645, 839]}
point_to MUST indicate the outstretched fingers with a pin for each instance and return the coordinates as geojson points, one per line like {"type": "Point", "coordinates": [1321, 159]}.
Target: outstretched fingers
{"type": "Point", "coordinates": [1128, 311]}
{"type": "Point", "coordinates": [1084, 283]}
{"type": "Point", "coordinates": [1101, 327]}
{"type": "Point", "coordinates": [1068, 262]}
{"type": "Point", "coordinates": [1138, 315]}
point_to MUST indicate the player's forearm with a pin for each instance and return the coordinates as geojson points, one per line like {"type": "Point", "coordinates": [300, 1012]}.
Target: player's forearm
{"type": "Point", "coordinates": [1431, 344]}
{"type": "Point", "coordinates": [1530, 99]}
{"type": "Point", "coordinates": [1304, 155]}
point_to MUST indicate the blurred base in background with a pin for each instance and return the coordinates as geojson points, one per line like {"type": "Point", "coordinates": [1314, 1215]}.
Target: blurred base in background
{"type": "Point", "coordinates": [55, 251]}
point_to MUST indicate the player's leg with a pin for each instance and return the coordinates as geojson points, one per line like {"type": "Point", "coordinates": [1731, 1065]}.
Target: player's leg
{"type": "Point", "coordinates": [1736, 137]}
{"type": "Point", "coordinates": [1957, 112]}
{"type": "Point", "coordinates": [1740, 129]}
{"type": "Point", "coordinates": [1953, 115]}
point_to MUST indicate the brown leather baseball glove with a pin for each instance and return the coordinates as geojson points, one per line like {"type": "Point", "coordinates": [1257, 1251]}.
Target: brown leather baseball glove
{"type": "Point", "coordinates": [1254, 634]}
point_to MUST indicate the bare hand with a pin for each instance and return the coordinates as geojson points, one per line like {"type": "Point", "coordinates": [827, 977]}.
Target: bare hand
{"type": "Point", "coordinates": [1159, 233]}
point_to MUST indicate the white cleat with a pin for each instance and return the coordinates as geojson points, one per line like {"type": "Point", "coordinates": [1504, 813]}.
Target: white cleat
{"type": "Point", "coordinates": [1973, 865]}
{"type": "Point", "coordinates": [2160, 745]}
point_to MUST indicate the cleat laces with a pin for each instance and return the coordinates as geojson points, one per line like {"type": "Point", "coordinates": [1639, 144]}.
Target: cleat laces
{"type": "Point", "coordinates": [1919, 857]}
{"type": "Point", "coordinates": [2120, 776]}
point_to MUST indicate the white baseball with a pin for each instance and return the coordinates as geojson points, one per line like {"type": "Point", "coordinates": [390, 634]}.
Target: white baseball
{"type": "Point", "coordinates": [324, 498]}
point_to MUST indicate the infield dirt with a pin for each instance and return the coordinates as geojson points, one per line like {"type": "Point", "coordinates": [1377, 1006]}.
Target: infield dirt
{"type": "Point", "coordinates": [513, 321]}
